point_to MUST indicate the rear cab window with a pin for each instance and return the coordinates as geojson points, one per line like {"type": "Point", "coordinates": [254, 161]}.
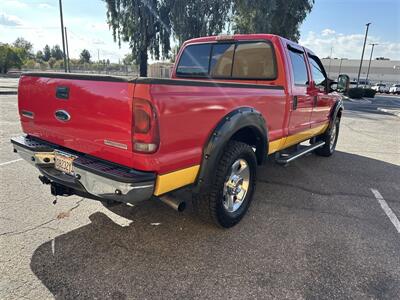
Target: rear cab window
{"type": "Point", "coordinates": [194, 61]}
{"type": "Point", "coordinates": [229, 60]}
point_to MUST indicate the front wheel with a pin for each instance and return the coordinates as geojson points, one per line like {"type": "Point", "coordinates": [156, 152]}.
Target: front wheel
{"type": "Point", "coordinates": [330, 138]}
{"type": "Point", "coordinates": [231, 190]}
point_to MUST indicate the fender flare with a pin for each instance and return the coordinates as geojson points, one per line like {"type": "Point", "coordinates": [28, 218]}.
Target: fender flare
{"type": "Point", "coordinates": [336, 108]}
{"type": "Point", "coordinates": [244, 117]}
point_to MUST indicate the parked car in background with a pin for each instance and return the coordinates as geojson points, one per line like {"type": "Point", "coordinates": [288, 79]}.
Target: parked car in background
{"type": "Point", "coordinates": [380, 88]}
{"type": "Point", "coordinates": [394, 89]}
{"type": "Point", "coordinates": [362, 83]}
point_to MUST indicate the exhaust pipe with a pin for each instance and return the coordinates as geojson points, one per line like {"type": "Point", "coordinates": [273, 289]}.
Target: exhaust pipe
{"type": "Point", "coordinates": [178, 205]}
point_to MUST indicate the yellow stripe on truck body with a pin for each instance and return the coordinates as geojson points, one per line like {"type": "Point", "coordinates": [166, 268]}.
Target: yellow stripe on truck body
{"type": "Point", "coordinates": [177, 179]}
{"type": "Point", "coordinates": [174, 180]}
{"type": "Point", "coordinates": [294, 139]}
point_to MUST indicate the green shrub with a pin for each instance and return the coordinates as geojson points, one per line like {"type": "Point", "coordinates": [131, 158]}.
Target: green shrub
{"type": "Point", "coordinates": [370, 93]}
{"type": "Point", "coordinates": [356, 93]}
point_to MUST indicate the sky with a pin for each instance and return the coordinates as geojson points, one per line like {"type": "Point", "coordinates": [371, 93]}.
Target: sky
{"type": "Point", "coordinates": [333, 26]}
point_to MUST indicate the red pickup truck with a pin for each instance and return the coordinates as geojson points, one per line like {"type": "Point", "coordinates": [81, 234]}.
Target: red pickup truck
{"type": "Point", "coordinates": [232, 101]}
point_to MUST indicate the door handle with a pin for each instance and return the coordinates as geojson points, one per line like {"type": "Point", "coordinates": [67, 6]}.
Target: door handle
{"type": "Point", "coordinates": [294, 105]}
{"type": "Point", "coordinates": [315, 100]}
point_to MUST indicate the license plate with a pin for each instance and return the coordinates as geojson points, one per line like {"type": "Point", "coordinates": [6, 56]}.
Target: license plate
{"type": "Point", "coordinates": [63, 162]}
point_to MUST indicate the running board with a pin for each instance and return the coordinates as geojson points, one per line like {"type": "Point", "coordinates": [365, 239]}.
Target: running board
{"type": "Point", "coordinates": [287, 159]}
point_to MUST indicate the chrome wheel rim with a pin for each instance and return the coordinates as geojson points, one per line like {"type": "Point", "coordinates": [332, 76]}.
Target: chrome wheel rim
{"type": "Point", "coordinates": [236, 185]}
{"type": "Point", "coordinates": [333, 137]}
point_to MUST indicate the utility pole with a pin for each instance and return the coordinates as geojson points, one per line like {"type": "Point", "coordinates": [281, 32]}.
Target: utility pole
{"type": "Point", "coordinates": [62, 35]}
{"type": "Point", "coordinates": [370, 58]}
{"type": "Point", "coordinates": [330, 59]}
{"type": "Point", "coordinates": [66, 44]}
{"type": "Point", "coordinates": [98, 55]}
{"type": "Point", "coordinates": [362, 54]}
{"type": "Point", "coordinates": [340, 66]}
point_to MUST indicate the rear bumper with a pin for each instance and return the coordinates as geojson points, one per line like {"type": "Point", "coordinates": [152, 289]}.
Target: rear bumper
{"type": "Point", "coordinates": [93, 178]}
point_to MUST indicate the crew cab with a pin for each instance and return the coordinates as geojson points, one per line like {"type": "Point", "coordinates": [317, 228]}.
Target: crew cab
{"type": "Point", "coordinates": [232, 103]}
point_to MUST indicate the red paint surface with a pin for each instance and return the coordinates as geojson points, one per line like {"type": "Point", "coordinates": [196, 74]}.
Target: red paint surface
{"type": "Point", "coordinates": [187, 114]}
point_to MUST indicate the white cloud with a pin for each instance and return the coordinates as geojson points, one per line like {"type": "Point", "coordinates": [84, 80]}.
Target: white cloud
{"type": "Point", "coordinates": [45, 6]}
{"type": "Point", "coordinates": [14, 4]}
{"type": "Point", "coordinates": [327, 32]}
{"type": "Point", "coordinates": [10, 20]}
{"type": "Point", "coordinates": [100, 26]}
{"type": "Point", "coordinates": [348, 45]}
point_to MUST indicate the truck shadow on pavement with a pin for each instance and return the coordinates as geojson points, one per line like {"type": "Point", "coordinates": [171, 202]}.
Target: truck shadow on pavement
{"type": "Point", "coordinates": [314, 230]}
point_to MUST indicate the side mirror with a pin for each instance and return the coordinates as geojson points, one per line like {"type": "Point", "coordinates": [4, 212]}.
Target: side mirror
{"type": "Point", "coordinates": [343, 83]}
{"type": "Point", "coordinates": [327, 86]}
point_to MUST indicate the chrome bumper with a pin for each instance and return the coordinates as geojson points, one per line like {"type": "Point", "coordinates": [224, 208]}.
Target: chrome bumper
{"type": "Point", "coordinates": [100, 179]}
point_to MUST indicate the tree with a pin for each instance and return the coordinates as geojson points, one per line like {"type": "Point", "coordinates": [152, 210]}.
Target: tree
{"type": "Point", "coordinates": [85, 56]}
{"type": "Point", "coordinates": [195, 18]}
{"type": "Point", "coordinates": [128, 59]}
{"type": "Point", "coordinates": [25, 46]}
{"type": "Point", "coordinates": [57, 53]}
{"type": "Point", "coordinates": [144, 24]}
{"type": "Point", "coordinates": [280, 17]}
{"type": "Point", "coordinates": [46, 53]}
{"type": "Point", "coordinates": [39, 56]}
{"type": "Point", "coordinates": [10, 57]}
{"type": "Point", "coordinates": [52, 62]}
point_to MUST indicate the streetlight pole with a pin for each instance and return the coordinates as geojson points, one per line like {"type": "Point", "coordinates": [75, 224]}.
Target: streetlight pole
{"type": "Point", "coordinates": [66, 44]}
{"type": "Point", "coordinates": [370, 58]}
{"type": "Point", "coordinates": [62, 35]}
{"type": "Point", "coordinates": [340, 66]}
{"type": "Point", "coordinates": [330, 59]}
{"type": "Point", "coordinates": [362, 54]}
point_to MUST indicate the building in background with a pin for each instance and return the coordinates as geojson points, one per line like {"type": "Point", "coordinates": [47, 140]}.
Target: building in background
{"type": "Point", "coordinates": [385, 71]}
{"type": "Point", "coordinates": [160, 69]}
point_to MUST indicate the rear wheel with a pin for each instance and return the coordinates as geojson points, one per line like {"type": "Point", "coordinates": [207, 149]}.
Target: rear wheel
{"type": "Point", "coordinates": [231, 191]}
{"type": "Point", "coordinates": [330, 138]}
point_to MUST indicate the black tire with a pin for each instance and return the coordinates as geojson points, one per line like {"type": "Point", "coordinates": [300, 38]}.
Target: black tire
{"type": "Point", "coordinates": [330, 145]}
{"type": "Point", "coordinates": [209, 205]}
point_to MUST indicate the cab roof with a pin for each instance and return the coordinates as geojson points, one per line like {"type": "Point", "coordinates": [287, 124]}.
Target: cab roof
{"type": "Point", "coordinates": [241, 37]}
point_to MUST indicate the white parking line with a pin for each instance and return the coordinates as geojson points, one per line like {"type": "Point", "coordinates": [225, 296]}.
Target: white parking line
{"type": "Point", "coordinates": [388, 211]}
{"type": "Point", "coordinates": [10, 162]}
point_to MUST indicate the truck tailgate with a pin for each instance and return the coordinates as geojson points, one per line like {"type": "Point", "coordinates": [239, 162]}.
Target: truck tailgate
{"type": "Point", "coordinates": [89, 114]}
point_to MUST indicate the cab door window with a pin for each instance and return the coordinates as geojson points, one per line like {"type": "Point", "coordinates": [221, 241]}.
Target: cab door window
{"type": "Point", "coordinates": [299, 67]}
{"type": "Point", "coordinates": [317, 71]}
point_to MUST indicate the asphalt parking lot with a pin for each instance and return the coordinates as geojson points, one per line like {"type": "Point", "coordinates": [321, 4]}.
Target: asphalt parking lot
{"type": "Point", "coordinates": [315, 230]}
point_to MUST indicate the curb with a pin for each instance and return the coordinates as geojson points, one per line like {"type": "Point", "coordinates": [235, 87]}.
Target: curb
{"type": "Point", "coordinates": [8, 93]}
{"type": "Point", "coordinates": [360, 101]}
{"type": "Point", "coordinates": [394, 112]}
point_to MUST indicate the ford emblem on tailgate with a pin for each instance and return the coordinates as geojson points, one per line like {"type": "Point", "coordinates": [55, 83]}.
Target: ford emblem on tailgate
{"type": "Point", "coordinates": [62, 115]}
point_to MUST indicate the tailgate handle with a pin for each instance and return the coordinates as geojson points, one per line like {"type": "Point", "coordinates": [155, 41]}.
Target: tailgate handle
{"type": "Point", "coordinates": [62, 92]}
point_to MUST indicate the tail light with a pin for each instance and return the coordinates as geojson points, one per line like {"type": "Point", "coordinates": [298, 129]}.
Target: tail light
{"type": "Point", "coordinates": [145, 127]}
